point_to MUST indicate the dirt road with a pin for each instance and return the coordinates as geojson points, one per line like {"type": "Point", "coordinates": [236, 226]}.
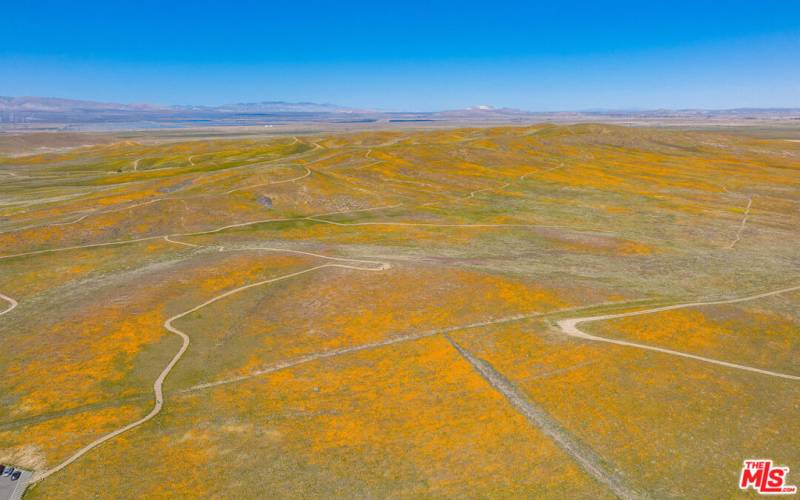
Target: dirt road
{"type": "Point", "coordinates": [570, 327]}
{"type": "Point", "coordinates": [293, 179]}
{"type": "Point", "coordinates": [12, 304]}
{"type": "Point", "coordinates": [168, 324]}
{"type": "Point", "coordinates": [742, 224]}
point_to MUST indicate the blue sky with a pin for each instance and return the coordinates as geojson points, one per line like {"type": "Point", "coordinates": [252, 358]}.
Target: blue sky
{"type": "Point", "coordinates": [408, 55]}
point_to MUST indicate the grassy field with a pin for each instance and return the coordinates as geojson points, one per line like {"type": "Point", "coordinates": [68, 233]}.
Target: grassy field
{"type": "Point", "coordinates": [345, 296]}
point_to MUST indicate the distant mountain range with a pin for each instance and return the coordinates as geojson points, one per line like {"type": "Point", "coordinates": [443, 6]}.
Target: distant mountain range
{"type": "Point", "coordinates": [54, 104]}
{"type": "Point", "coordinates": [52, 112]}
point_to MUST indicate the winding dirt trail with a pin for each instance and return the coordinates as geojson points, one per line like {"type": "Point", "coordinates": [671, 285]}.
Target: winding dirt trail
{"type": "Point", "coordinates": [431, 224]}
{"type": "Point", "coordinates": [156, 409]}
{"type": "Point", "coordinates": [570, 327]}
{"type": "Point", "coordinates": [525, 176]}
{"type": "Point", "coordinates": [168, 237]}
{"type": "Point", "coordinates": [98, 212]}
{"type": "Point", "coordinates": [741, 226]}
{"type": "Point", "coordinates": [473, 193]}
{"type": "Point", "coordinates": [12, 304]}
{"type": "Point", "coordinates": [313, 218]}
{"type": "Point", "coordinates": [78, 247]}
{"type": "Point", "coordinates": [168, 324]}
{"type": "Point", "coordinates": [397, 339]}
{"type": "Point", "coordinates": [293, 179]}
{"type": "Point", "coordinates": [498, 188]}
{"type": "Point", "coordinates": [290, 363]}
{"type": "Point", "coordinates": [90, 214]}
{"type": "Point", "coordinates": [192, 245]}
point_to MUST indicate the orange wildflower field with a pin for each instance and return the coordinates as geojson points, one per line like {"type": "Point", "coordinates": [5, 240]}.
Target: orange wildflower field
{"type": "Point", "coordinates": [582, 311]}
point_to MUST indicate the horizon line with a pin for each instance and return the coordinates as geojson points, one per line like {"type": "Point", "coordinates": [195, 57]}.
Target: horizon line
{"type": "Point", "coordinates": [368, 109]}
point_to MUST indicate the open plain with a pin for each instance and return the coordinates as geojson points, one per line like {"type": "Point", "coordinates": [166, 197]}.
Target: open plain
{"type": "Point", "coordinates": [577, 311]}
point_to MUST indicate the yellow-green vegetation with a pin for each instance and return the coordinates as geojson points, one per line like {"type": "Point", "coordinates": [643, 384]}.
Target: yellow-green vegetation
{"type": "Point", "coordinates": [323, 282]}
